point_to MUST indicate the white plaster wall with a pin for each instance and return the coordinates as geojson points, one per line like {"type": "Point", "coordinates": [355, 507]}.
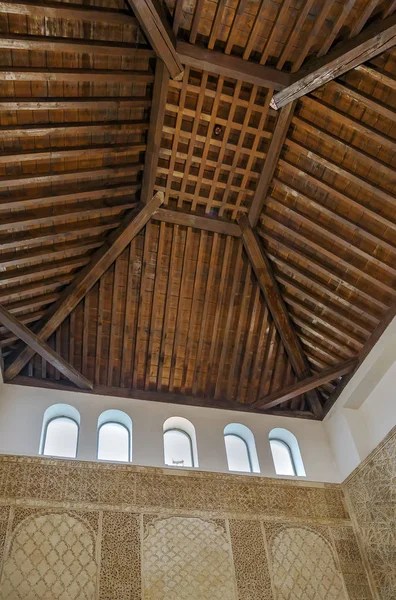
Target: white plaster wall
{"type": "Point", "coordinates": [22, 409]}
{"type": "Point", "coordinates": [365, 412]}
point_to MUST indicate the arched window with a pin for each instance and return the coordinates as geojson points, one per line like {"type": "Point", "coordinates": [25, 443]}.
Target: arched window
{"type": "Point", "coordinates": [238, 456]}
{"type": "Point", "coordinates": [59, 435]}
{"type": "Point", "coordinates": [114, 436]}
{"type": "Point", "coordinates": [240, 449]}
{"type": "Point", "coordinates": [286, 453]}
{"type": "Point", "coordinates": [180, 445]}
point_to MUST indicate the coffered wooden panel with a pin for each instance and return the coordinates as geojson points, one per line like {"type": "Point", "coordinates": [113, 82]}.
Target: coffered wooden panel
{"type": "Point", "coordinates": [214, 142]}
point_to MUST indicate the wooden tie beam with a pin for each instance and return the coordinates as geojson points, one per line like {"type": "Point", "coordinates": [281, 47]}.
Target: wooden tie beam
{"type": "Point", "coordinates": [232, 66]}
{"type": "Point", "coordinates": [198, 222]}
{"type": "Point", "coordinates": [88, 276]}
{"type": "Point", "coordinates": [373, 41]}
{"type": "Point", "coordinates": [277, 307]}
{"type": "Point", "coordinates": [55, 10]}
{"type": "Point", "coordinates": [35, 344]}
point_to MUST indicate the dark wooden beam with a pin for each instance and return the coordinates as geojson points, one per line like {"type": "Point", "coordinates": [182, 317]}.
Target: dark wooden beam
{"type": "Point", "coordinates": [198, 221]}
{"type": "Point", "coordinates": [358, 96]}
{"type": "Point", "coordinates": [232, 66]}
{"type": "Point", "coordinates": [373, 41]}
{"type": "Point", "coordinates": [56, 10]}
{"type": "Point", "coordinates": [72, 129]}
{"type": "Point", "coordinates": [271, 160]}
{"type": "Point", "coordinates": [157, 396]}
{"type": "Point", "coordinates": [89, 275]}
{"type": "Point", "coordinates": [100, 103]}
{"type": "Point", "coordinates": [377, 74]}
{"type": "Point", "coordinates": [37, 345]}
{"type": "Point", "coordinates": [306, 385]}
{"type": "Point", "coordinates": [277, 307]}
{"type": "Point", "coordinates": [364, 352]}
{"type": "Point", "coordinates": [154, 135]}
{"type": "Point", "coordinates": [97, 193]}
{"type": "Point", "coordinates": [54, 44]}
{"type": "Point", "coordinates": [73, 176]}
{"type": "Point", "coordinates": [85, 152]}
{"type": "Point", "coordinates": [153, 21]}
{"type": "Point", "coordinates": [74, 75]}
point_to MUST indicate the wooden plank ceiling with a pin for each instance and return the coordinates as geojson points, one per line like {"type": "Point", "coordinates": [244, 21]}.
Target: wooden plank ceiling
{"type": "Point", "coordinates": [92, 125]}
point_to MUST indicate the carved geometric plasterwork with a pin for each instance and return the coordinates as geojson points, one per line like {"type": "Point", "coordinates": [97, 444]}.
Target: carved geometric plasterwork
{"type": "Point", "coordinates": [372, 495]}
{"type": "Point", "coordinates": [120, 573]}
{"type": "Point", "coordinates": [250, 560]}
{"type": "Point", "coordinates": [303, 566]}
{"type": "Point", "coordinates": [73, 530]}
{"type": "Point", "coordinates": [187, 559]}
{"type": "Point", "coordinates": [51, 557]}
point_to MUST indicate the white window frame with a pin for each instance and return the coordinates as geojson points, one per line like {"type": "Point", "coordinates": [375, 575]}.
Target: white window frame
{"type": "Point", "coordinates": [112, 422]}
{"type": "Point", "coordinates": [44, 436]}
{"type": "Point", "coordinates": [288, 439]}
{"type": "Point", "coordinates": [282, 443]}
{"type": "Point", "coordinates": [235, 435]}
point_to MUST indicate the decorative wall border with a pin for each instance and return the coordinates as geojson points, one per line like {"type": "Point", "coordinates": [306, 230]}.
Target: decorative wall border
{"type": "Point", "coordinates": [43, 482]}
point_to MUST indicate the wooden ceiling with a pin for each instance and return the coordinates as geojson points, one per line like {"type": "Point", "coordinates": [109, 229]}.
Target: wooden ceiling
{"type": "Point", "coordinates": [269, 271]}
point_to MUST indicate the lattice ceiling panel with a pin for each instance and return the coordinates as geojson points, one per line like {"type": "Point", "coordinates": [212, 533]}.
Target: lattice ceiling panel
{"type": "Point", "coordinates": [215, 138]}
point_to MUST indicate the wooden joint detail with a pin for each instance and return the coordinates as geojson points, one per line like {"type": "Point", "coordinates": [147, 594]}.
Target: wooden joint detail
{"type": "Point", "coordinates": [35, 344]}
{"type": "Point", "coordinates": [306, 385]}
{"type": "Point", "coordinates": [153, 21]}
{"type": "Point", "coordinates": [372, 41]}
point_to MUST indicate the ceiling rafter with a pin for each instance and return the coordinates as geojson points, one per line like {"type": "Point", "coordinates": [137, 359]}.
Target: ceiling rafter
{"type": "Point", "coordinates": [371, 188]}
{"type": "Point", "coordinates": [276, 305]}
{"type": "Point", "coordinates": [317, 264]}
{"type": "Point", "coordinates": [42, 103]}
{"type": "Point", "coordinates": [74, 75]}
{"type": "Point", "coordinates": [103, 258]}
{"type": "Point", "coordinates": [361, 155]}
{"type": "Point", "coordinates": [306, 278]}
{"type": "Point", "coordinates": [335, 193]}
{"type": "Point", "coordinates": [72, 11]}
{"type": "Point", "coordinates": [54, 44]}
{"type": "Point", "coordinates": [347, 243]}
